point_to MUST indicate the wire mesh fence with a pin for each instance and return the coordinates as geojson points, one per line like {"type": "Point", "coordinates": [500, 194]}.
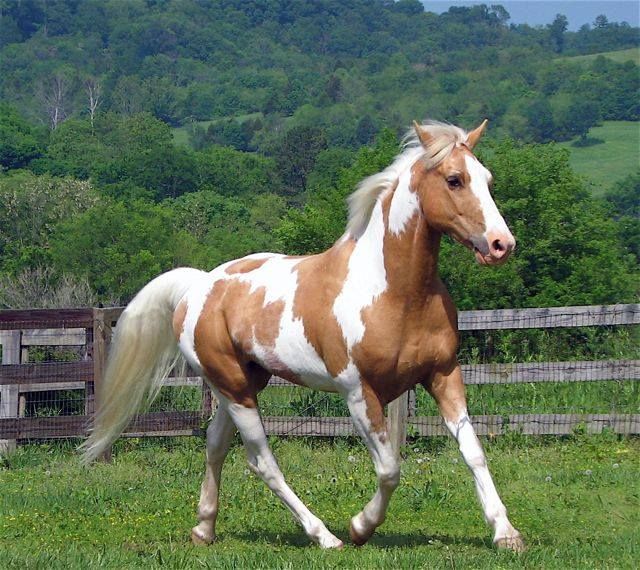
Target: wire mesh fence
{"type": "Point", "coordinates": [539, 371]}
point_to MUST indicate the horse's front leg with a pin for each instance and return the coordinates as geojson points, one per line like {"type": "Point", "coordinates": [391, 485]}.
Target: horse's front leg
{"type": "Point", "coordinates": [447, 389]}
{"type": "Point", "coordinates": [368, 418]}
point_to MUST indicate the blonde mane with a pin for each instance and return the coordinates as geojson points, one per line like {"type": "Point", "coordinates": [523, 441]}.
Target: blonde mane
{"type": "Point", "coordinates": [443, 138]}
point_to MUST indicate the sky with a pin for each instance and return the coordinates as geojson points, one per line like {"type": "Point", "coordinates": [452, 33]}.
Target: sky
{"type": "Point", "coordinates": [542, 12]}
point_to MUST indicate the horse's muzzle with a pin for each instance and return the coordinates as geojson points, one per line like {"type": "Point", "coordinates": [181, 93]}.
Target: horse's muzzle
{"type": "Point", "coordinates": [495, 248]}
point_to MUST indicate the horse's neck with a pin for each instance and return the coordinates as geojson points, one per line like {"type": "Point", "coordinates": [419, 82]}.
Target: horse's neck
{"type": "Point", "coordinates": [398, 248]}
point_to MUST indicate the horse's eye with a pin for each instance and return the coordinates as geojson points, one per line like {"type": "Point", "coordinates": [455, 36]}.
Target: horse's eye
{"type": "Point", "coordinates": [454, 182]}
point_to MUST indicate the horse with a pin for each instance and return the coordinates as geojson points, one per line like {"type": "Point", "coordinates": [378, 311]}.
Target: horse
{"type": "Point", "coordinates": [369, 318]}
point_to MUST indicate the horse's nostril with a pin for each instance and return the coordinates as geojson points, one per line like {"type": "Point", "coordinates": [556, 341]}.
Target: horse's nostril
{"type": "Point", "coordinates": [497, 246]}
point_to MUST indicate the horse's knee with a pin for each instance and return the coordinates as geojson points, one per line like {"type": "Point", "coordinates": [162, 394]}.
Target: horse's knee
{"type": "Point", "coordinates": [389, 476]}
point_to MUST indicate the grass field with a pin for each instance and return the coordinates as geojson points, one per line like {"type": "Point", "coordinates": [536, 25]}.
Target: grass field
{"type": "Point", "coordinates": [610, 161]}
{"type": "Point", "coordinates": [619, 56]}
{"type": "Point", "coordinates": [576, 501]}
{"type": "Point", "coordinates": [181, 135]}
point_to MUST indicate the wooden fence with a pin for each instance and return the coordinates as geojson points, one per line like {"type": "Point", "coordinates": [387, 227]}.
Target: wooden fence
{"type": "Point", "coordinates": [88, 333]}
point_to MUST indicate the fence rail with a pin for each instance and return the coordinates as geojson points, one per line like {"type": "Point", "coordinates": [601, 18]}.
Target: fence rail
{"type": "Point", "coordinates": [88, 332]}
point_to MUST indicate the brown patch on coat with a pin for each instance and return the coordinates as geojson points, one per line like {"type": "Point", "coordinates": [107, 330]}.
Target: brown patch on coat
{"type": "Point", "coordinates": [245, 265]}
{"type": "Point", "coordinates": [223, 338]}
{"type": "Point", "coordinates": [374, 409]}
{"type": "Point", "coordinates": [178, 319]}
{"type": "Point", "coordinates": [320, 280]}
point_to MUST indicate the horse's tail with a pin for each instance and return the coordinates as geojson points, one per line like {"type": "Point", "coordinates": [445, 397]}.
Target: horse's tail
{"type": "Point", "coordinates": [143, 352]}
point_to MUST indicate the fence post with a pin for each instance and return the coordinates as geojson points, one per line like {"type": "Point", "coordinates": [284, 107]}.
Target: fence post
{"type": "Point", "coordinates": [397, 422]}
{"type": "Point", "coordinates": [11, 341]}
{"type": "Point", "coordinates": [101, 340]}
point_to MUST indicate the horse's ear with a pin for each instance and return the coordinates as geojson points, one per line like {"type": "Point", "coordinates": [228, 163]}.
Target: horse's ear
{"type": "Point", "coordinates": [474, 136]}
{"type": "Point", "coordinates": [423, 136]}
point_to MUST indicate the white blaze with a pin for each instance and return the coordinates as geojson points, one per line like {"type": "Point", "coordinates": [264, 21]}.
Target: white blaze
{"type": "Point", "coordinates": [479, 182]}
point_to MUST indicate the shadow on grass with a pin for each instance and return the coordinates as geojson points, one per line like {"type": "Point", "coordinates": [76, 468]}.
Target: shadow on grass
{"type": "Point", "coordinates": [380, 540]}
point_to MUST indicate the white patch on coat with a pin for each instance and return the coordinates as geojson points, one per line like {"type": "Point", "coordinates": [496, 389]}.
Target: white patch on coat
{"type": "Point", "coordinates": [404, 204]}
{"type": "Point", "coordinates": [366, 279]}
{"type": "Point", "coordinates": [292, 349]}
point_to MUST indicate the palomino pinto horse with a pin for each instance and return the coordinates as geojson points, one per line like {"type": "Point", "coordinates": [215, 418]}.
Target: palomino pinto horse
{"type": "Point", "coordinates": [369, 318]}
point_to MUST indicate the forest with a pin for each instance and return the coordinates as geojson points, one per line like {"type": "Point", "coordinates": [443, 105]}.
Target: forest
{"type": "Point", "coordinates": [137, 136]}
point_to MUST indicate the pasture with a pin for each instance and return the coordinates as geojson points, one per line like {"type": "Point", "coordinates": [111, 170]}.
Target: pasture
{"type": "Point", "coordinates": [613, 158]}
{"type": "Point", "coordinates": [619, 56]}
{"type": "Point", "coordinates": [575, 499]}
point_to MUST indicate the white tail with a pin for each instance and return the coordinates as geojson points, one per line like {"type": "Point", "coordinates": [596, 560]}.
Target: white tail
{"type": "Point", "coordinates": [143, 351]}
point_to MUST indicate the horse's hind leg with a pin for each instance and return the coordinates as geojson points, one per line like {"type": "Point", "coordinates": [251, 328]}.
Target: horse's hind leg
{"type": "Point", "coordinates": [368, 418]}
{"type": "Point", "coordinates": [263, 463]}
{"type": "Point", "coordinates": [447, 389]}
{"type": "Point", "coordinates": [219, 436]}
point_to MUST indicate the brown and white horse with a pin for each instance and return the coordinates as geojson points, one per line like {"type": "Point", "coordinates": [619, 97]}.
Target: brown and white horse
{"type": "Point", "coordinates": [369, 318]}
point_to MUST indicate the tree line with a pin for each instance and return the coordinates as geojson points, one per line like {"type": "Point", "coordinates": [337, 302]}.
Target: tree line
{"type": "Point", "coordinates": [287, 106]}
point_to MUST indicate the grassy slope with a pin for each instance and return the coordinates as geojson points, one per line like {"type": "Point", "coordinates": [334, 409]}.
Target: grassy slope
{"type": "Point", "coordinates": [138, 510]}
{"type": "Point", "coordinates": [620, 56]}
{"type": "Point", "coordinates": [606, 163]}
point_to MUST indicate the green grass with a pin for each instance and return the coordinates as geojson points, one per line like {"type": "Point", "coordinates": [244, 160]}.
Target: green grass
{"type": "Point", "coordinates": [619, 56]}
{"type": "Point", "coordinates": [608, 162]}
{"type": "Point", "coordinates": [576, 501]}
{"type": "Point", "coordinates": [181, 135]}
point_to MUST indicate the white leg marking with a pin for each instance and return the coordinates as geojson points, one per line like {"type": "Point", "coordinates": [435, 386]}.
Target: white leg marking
{"type": "Point", "coordinates": [385, 464]}
{"type": "Point", "coordinates": [494, 510]}
{"type": "Point", "coordinates": [219, 436]}
{"type": "Point", "coordinates": [264, 464]}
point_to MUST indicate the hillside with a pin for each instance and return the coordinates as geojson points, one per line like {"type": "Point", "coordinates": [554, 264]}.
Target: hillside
{"type": "Point", "coordinates": [140, 136]}
{"type": "Point", "coordinates": [615, 155]}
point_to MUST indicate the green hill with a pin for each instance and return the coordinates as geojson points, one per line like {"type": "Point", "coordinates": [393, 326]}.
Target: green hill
{"type": "Point", "coordinates": [606, 162]}
{"type": "Point", "coordinates": [619, 56]}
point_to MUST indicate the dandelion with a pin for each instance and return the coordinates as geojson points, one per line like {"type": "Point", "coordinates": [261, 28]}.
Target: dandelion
{"type": "Point", "coordinates": [246, 472]}
{"type": "Point", "coordinates": [588, 472]}
{"type": "Point", "coordinates": [351, 459]}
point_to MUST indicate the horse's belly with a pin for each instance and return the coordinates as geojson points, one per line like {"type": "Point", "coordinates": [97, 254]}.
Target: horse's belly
{"type": "Point", "coordinates": [292, 357]}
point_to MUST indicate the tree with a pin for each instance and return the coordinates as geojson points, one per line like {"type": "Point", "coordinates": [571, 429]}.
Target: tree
{"type": "Point", "coordinates": [118, 247]}
{"type": "Point", "coordinates": [93, 90]}
{"type": "Point", "coordinates": [296, 154]}
{"type": "Point", "coordinates": [19, 142]}
{"type": "Point", "coordinates": [557, 30]}
{"type": "Point", "coordinates": [55, 97]}
{"type": "Point", "coordinates": [601, 21]}
{"type": "Point", "coordinates": [30, 208]}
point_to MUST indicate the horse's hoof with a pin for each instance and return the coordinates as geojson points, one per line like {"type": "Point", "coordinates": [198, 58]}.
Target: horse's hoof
{"type": "Point", "coordinates": [357, 538]}
{"type": "Point", "coordinates": [514, 543]}
{"type": "Point", "coordinates": [333, 543]}
{"type": "Point", "coordinates": [198, 540]}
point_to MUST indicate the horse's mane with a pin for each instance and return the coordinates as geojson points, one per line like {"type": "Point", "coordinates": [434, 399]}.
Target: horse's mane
{"type": "Point", "coordinates": [443, 138]}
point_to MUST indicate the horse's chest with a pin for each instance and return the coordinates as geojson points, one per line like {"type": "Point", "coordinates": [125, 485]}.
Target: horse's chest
{"type": "Point", "coordinates": [400, 349]}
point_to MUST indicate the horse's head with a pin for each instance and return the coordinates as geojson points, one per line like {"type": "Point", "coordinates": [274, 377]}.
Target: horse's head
{"type": "Point", "coordinates": [454, 191]}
